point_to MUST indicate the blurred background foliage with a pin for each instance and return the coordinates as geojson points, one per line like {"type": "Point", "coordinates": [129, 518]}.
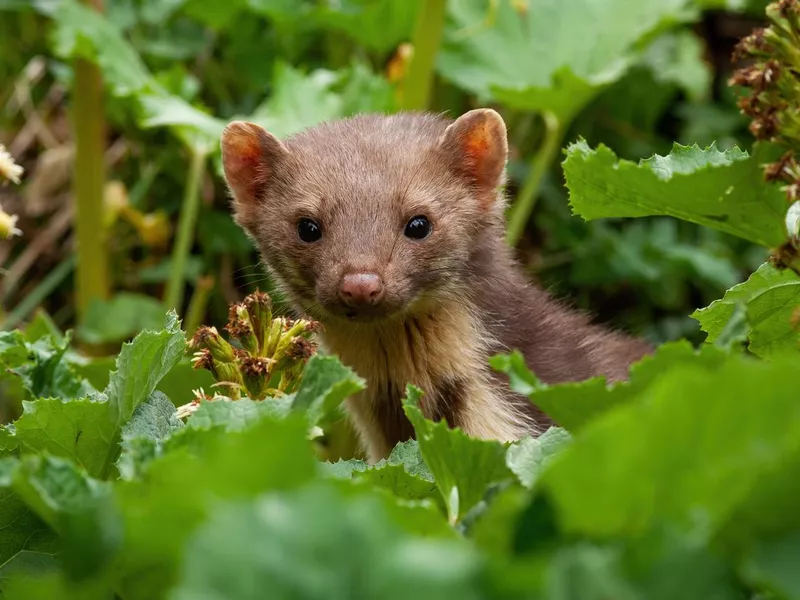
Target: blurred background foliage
{"type": "Point", "coordinates": [635, 76]}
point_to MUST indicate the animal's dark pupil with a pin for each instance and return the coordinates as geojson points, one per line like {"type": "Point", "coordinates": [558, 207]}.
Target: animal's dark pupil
{"type": "Point", "coordinates": [418, 228]}
{"type": "Point", "coordinates": [308, 230]}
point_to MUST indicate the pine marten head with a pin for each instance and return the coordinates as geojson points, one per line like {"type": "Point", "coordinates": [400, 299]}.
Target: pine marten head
{"type": "Point", "coordinates": [369, 217]}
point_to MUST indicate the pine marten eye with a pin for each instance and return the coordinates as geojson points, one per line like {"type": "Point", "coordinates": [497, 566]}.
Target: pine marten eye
{"type": "Point", "coordinates": [308, 230]}
{"type": "Point", "coordinates": [418, 228]}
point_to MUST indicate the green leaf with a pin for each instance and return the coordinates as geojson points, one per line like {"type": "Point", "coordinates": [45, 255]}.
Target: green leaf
{"type": "Point", "coordinates": [178, 491]}
{"type": "Point", "coordinates": [343, 469]}
{"type": "Point", "coordinates": [771, 297]}
{"type": "Point", "coordinates": [315, 544]}
{"type": "Point", "coordinates": [721, 190]}
{"type": "Point", "coordinates": [140, 366]}
{"type": "Point", "coordinates": [772, 565]}
{"type": "Point", "coordinates": [42, 365]}
{"type": "Point", "coordinates": [678, 57]}
{"type": "Point", "coordinates": [235, 415]}
{"type": "Point", "coordinates": [153, 422]}
{"type": "Point", "coordinates": [551, 55]}
{"type": "Point", "coordinates": [22, 530]}
{"type": "Point", "coordinates": [698, 443]}
{"type": "Point", "coordinates": [326, 383]}
{"type": "Point", "coordinates": [574, 405]}
{"type": "Point", "coordinates": [73, 504]}
{"type": "Point", "coordinates": [528, 457]}
{"type": "Point", "coordinates": [88, 430]}
{"type": "Point", "coordinates": [120, 318]}
{"type": "Point", "coordinates": [376, 24]}
{"type": "Point", "coordinates": [77, 429]}
{"type": "Point", "coordinates": [463, 467]}
{"type": "Point", "coordinates": [407, 454]}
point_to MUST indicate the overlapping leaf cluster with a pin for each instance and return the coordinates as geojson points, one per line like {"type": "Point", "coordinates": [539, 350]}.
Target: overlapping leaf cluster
{"type": "Point", "coordinates": [678, 483]}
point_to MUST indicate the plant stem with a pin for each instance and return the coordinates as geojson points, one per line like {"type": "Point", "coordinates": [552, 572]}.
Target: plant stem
{"type": "Point", "coordinates": [526, 199]}
{"type": "Point", "coordinates": [173, 297]}
{"type": "Point", "coordinates": [427, 38]}
{"type": "Point", "coordinates": [198, 304]}
{"type": "Point", "coordinates": [88, 181]}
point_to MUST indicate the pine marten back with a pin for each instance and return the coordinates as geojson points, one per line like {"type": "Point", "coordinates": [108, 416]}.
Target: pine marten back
{"type": "Point", "coordinates": [390, 231]}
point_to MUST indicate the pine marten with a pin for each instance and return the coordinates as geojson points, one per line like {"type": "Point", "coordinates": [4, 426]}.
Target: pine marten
{"type": "Point", "coordinates": [389, 230]}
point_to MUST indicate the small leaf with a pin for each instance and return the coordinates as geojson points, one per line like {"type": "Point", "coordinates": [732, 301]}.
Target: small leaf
{"type": "Point", "coordinates": [528, 457]}
{"type": "Point", "coordinates": [325, 385]}
{"type": "Point", "coordinates": [140, 366]}
{"type": "Point", "coordinates": [770, 296]}
{"type": "Point", "coordinates": [153, 422]}
{"type": "Point", "coordinates": [461, 465]}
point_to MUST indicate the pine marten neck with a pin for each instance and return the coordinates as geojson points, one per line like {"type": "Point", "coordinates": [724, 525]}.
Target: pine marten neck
{"type": "Point", "coordinates": [390, 231]}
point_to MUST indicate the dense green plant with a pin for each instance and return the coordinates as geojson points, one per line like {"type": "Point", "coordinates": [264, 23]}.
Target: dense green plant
{"type": "Point", "coordinates": [679, 483]}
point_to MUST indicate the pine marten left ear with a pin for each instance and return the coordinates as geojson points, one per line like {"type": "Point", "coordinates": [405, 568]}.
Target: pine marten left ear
{"type": "Point", "coordinates": [250, 156]}
{"type": "Point", "coordinates": [478, 146]}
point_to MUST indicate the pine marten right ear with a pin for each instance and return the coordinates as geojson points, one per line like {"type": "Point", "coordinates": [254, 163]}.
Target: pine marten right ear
{"type": "Point", "coordinates": [477, 145]}
{"type": "Point", "coordinates": [249, 157]}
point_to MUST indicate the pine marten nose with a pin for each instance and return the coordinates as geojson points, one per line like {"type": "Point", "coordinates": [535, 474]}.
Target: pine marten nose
{"type": "Point", "coordinates": [361, 289]}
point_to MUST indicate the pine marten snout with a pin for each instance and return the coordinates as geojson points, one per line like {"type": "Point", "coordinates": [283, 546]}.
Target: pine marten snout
{"type": "Point", "coordinates": [390, 231]}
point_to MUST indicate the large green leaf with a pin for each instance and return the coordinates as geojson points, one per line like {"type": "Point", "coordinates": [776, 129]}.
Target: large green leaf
{"type": "Point", "coordinates": [548, 55]}
{"type": "Point", "coordinates": [178, 491]}
{"type": "Point", "coordinates": [377, 24]}
{"type": "Point", "coordinates": [463, 467]}
{"type": "Point", "coordinates": [771, 298]}
{"type": "Point", "coordinates": [690, 451]}
{"type": "Point", "coordinates": [574, 405]}
{"type": "Point", "coordinates": [722, 190]}
{"type": "Point", "coordinates": [315, 544]}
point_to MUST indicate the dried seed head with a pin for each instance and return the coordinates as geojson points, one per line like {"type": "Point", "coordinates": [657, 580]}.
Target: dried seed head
{"type": "Point", "coordinates": [256, 366]}
{"type": "Point", "coordinates": [301, 349]}
{"type": "Point", "coordinates": [783, 169]}
{"type": "Point", "coordinates": [209, 338]}
{"type": "Point", "coordinates": [202, 359]}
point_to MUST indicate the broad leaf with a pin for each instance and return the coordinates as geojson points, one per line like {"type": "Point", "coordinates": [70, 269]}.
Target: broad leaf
{"type": "Point", "coordinates": [771, 298]}
{"type": "Point", "coordinates": [548, 55]}
{"type": "Point", "coordinates": [178, 491]}
{"type": "Point", "coordinates": [315, 544]}
{"type": "Point", "coordinates": [697, 442]}
{"type": "Point", "coordinates": [463, 467]}
{"type": "Point", "coordinates": [574, 405]}
{"type": "Point", "coordinates": [721, 190]}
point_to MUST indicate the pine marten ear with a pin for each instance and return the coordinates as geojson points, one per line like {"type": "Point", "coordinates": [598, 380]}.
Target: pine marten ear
{"type": "Point", "coordinates": [477, 144]}
{"type": "Point", "coordinates": [249, 157]}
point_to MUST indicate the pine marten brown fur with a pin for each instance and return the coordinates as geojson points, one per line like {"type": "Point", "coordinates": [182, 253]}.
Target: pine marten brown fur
{"type": "Point", "coordinates": [389, 230]}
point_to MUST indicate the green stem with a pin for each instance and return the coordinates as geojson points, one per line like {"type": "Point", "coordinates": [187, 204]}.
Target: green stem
{"type": "Point", "coordinates": [427, 38]}
{"type": "Point", "coordinates": [88, 182]}
{"type": "Point", "coordinates": [526, 199]}
{"type": "Point", "coordinates": [173, 297]}
{"type": "Point", "coordinates": [198, 304]}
